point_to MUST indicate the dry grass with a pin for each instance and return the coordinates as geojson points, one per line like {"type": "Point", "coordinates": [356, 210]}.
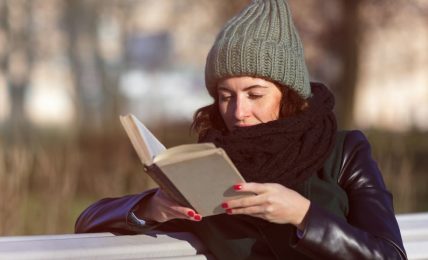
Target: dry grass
{"type": "Point", "coordinates": [15, 174]}
{"type": "Point", "coordinates": [402, 159]}
{"type": "Point", "coordinates": [46, 184]}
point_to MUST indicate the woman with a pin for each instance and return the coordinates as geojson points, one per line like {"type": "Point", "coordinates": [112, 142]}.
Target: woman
{"type": "Point", "coordinates": [319, 194]}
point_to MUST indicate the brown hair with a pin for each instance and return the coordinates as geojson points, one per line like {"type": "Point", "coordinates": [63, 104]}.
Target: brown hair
{"type": "Point", "coordinates": [209, 116]}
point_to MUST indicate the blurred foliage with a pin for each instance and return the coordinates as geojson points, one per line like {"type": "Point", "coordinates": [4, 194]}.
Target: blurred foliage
{"type": "Point", "coordinates": [402, 159]}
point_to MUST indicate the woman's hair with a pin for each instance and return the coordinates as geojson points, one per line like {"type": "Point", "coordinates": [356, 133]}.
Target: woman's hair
{"type": "Point", "coordinates": [209, 116]}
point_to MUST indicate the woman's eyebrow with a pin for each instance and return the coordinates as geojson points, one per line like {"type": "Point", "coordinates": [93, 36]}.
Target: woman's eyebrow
{"type": "Point", "coordinates": [254, 86]}
{"type": "Point", "coordinates": [224, 88]}
{"type": "Point", "coordinates": [245, 89]}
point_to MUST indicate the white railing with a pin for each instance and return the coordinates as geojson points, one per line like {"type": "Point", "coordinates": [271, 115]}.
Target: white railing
{"type": "Point", "coordinates": [414, 231]}
{"type": "Point", "coordinates": [181, 246]}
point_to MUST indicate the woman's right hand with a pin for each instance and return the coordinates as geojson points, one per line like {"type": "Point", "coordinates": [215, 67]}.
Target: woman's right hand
{"type": "Point", "coordinates": [161, 208]}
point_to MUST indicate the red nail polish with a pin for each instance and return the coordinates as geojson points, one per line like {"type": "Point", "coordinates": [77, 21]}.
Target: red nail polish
{"type": "Point", "coordinates": [190, 213]}
{"type": "Point", "coordinates": [197, 217]}
{"type": "Point", "coordinates": [229, 211]}
{"type": "Point", "coordinates": [224, 205]}
{"type": "Point", "coordinates": [237, 187]}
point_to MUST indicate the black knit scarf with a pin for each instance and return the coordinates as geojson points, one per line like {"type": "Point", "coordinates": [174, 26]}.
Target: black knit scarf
{"type": "Point", "coordinates": [285, 151]}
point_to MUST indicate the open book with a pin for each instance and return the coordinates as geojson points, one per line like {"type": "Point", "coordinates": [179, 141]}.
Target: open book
{"type": "Point", "coordinates": [198, 176]}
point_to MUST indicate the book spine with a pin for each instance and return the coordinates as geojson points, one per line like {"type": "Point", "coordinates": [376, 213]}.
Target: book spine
{"type": "Point", "coordinates": [166, 185]}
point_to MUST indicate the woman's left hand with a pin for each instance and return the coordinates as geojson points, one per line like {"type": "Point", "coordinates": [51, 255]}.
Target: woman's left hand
{"type": "Point", "coordinates": [273, 202]}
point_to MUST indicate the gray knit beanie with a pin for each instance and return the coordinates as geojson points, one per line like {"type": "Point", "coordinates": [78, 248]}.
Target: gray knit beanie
{"type": "Point", "coordinates": [261, 41]}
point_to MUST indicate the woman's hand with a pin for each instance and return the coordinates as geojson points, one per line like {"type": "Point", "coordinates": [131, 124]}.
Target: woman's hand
{"type": "Point", "coordinates": [273, 202]}
{"type": "Point", "coordinates": [161, 208]}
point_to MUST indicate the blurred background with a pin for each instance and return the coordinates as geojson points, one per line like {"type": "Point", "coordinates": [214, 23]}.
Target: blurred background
{"type": "Point", "coordinates": [69, 68]}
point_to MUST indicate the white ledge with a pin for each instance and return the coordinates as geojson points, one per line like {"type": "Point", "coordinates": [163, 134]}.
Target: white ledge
{"type": "Point", "coordinates": [103, 246]}
{"type": "Point", "coordinates": [181, 246]}
{"type": "Point", "coordinates": [414, 231]}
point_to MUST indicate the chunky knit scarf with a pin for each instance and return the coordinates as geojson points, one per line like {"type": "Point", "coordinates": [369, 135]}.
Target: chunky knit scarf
{"type": "Point", "coordinates": [287, 150]}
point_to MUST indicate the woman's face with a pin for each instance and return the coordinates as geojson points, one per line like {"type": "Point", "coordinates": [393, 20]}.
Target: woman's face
{"type": "Point", "coordinates": [247, 101]}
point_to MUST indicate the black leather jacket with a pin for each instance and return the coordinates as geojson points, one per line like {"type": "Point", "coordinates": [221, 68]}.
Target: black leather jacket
{"type": "Point", "coordinates": [370, 232]}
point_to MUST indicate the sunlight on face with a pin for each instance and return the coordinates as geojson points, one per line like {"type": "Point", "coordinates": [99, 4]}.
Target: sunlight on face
{"type": "Point", "coordinates": [247, 101]}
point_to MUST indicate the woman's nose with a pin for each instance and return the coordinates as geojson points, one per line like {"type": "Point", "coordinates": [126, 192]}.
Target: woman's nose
{"type": "Point", "coordinates": [241, 109]}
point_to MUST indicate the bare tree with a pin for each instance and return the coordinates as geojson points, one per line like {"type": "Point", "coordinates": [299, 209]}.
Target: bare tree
{"type": "Point", "coordinates": [18, 58]}
{"type": "Point", "coordinates": [96, 79]}
{"type": "Point", "coordinates": [344, 41]}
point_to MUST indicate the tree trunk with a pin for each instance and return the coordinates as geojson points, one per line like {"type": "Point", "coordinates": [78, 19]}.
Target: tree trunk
{"type": "Point", "coordinates": [17, 63]}
{"type": "Point", "coordinates": [348, 50]}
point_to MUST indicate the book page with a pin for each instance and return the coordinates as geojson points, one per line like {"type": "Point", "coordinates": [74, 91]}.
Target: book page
{"type": "Point", "coordinates": [183, 149]}
{"type": "Point", "coordinates": [145, 143]}
{"type": "Point", "coordinates": [153, 145]}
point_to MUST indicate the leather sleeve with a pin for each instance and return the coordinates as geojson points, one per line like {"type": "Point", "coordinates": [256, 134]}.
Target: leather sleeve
{"type": "Point", "coordinates": [371, 230]}
{"type": "Point", "coordinates": [112, 215]}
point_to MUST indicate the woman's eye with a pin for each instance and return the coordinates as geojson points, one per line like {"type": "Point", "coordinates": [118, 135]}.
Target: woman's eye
{"type": "Point", "coordinates": [255, 96]}
{"type": "Point", "coordinates": [225, 98]}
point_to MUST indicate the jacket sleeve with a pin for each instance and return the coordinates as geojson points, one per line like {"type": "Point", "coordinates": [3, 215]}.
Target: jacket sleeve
{"type": "Point", "coordinates": [114, 215]}
{"type": "Point", "coordinates": [371, 230]}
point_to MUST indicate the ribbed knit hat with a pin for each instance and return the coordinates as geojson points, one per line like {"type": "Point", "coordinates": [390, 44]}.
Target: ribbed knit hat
{"type": "Point", "coordinates": [261, 41]}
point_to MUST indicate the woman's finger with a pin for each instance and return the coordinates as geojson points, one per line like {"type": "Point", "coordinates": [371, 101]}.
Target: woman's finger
{"type": "Point", "coordinates": [257, 188]}
{"type": "Point", "coordinates": [175, 210]}
{"type": "Point", "coordinates": [245, 202]}
{"type": "Point", "coordinates": [186, 213]}
{"type": "Point", "coordinates": [168, 209]}
{"type": "Point", "coordinates": [252, 211]}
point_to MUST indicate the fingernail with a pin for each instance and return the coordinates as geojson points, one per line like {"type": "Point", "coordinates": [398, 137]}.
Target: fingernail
{"type": "Point", "coordinates": [197, 217]}
{"type": "Point", "coordinates": [229, 211]}
{"type": "Point", "coordinates": [190, 213]}
{"type": "Point", "coordinates": [237, 187]}
{"type": "Point", "coordinates": [224, 205]}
